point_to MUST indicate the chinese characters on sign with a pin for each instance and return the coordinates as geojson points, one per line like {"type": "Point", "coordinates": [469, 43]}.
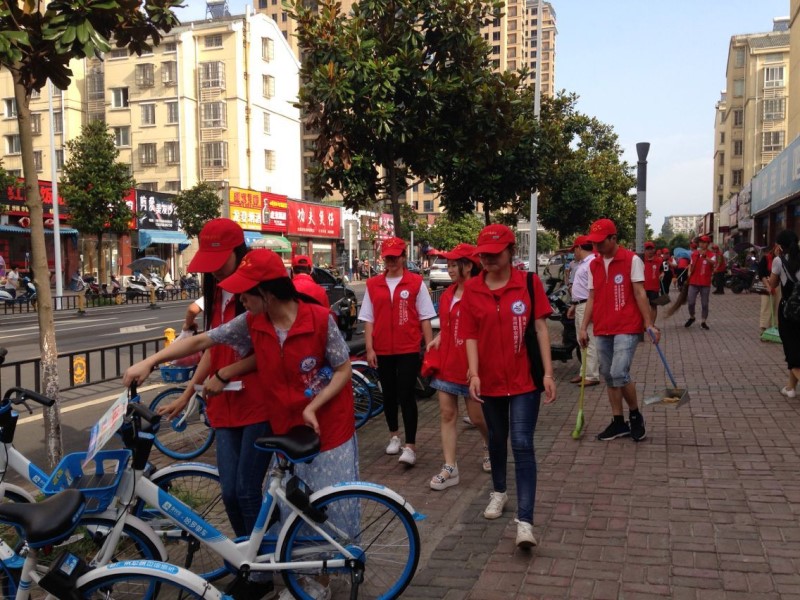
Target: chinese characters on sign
{"type": "Point", "coordinates": [314, 220]}
{"type": "Point", "coordinates": [155, 210]}
{"type": "Point", "coordinates": [274, 212]}
{"type": "Point", "coordinates": [12, 200]}
{"type": "Point", "coordinates": [245, 208]}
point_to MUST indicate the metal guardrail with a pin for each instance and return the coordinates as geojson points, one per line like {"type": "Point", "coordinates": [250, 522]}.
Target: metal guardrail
{"type": "Point", "coordinates": [73, 301]}
{"type": "Point", "coordinates": [80, 368]}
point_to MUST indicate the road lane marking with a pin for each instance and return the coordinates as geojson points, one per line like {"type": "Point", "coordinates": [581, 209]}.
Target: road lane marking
{"type": "Point", "coordinates": [74, 407]}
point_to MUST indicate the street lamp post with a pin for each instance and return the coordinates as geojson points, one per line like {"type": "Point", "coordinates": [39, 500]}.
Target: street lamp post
{"type": "Point", "coordinates": [537, 111]}
{"type": "Point", "coordinates": [642, 148]}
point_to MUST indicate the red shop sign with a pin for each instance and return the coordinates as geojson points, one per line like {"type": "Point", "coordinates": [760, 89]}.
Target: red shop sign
{"type": "Point", "coordinates": [314, 220]}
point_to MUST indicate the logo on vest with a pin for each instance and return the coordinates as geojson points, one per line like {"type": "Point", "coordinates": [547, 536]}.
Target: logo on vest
{"type": "Point", "coordinates": [518, 307]}
{"type": "Point", "coordinates": [308, 364]}
{"type": "Point", "coordinates": [618, 278]}
{"type": "Point", "coordinates": [404, 294]}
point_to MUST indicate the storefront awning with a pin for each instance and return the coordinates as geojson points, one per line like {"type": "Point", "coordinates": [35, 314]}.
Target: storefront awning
{"type": "Point", "coordinates": [15, 229]}
{"type": "Point", "coordinates": [159, 236]}
{"type": "Point", "coordinates": [276, 243]}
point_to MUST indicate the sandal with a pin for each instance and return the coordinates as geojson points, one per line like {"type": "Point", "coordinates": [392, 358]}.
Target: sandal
{"type": "Point", "coordinates": [487, 463]}
{"type": "Point", "coordinates": [448, 477]}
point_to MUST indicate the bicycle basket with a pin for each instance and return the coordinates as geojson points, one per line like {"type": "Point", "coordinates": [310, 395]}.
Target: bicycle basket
{"type": "Point", "coordinates": [98, 484]}
{"type": "Point", "coordinates": [174, 374]}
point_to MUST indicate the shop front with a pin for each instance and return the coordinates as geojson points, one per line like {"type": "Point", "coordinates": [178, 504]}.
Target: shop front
{"type": "Point", "coordinates": [776, 196]}
{"type": "Point", "coordinates": [262, 216]}
{"type": "Point", "coordinates": [158, 229]}
{"type": "Point", "coordinates": [315, 230]}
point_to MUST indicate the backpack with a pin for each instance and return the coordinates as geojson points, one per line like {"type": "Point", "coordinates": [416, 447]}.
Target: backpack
{"type": "Point", "coordinates": [791, 304]}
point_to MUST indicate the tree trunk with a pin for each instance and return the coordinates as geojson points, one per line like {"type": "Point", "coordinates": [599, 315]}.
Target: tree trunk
{"type": "Point", "coordinates": [41, 276]}
{"type": "Point", "coordinates": [487, 213]}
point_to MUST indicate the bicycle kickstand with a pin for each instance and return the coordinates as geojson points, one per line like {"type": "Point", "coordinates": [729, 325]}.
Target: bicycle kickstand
{"type": "Point", "coordinates": [356, 576]}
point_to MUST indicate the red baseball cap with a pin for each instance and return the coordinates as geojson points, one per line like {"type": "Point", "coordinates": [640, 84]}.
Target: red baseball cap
{"type": "Point", "coordinates": [649, 245]}
{"type": "Point", "coordinates": [493, 239]}
{"type": "Point", "coordinates": [581, 240]}
{"type": "Point", "coordinates": [301, 260]}
{"type": "Point", "coordinates": [218, 238]}
{"type": "Point", "coordinates": [467, 251]}
{"type": "Point", "coordinates": [715, 247]}
{"type": "Point", "coordinates": [705, 238]}
{"type": "Point", "coordinates": [394, 246]}
{"type": "Point", "coordinates": [600, 230]}
{"type": "Point", "coordinates": [256, 266]}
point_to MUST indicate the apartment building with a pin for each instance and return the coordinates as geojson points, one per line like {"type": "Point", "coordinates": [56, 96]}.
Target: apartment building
{"type": "Point", "coordinates": [514, 44]}
{"type": "Point", "coordinates": [794, 68]}
{"type": "Point", "coordinates": [685, 224]}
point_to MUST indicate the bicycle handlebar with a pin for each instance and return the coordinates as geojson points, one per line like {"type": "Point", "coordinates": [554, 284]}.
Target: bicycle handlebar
{"type": "Point", "coordinates": [21, 395]}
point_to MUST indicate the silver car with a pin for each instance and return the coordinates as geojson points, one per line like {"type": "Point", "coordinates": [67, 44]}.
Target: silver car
{"type": "Point", "coordinates": [438, 274]}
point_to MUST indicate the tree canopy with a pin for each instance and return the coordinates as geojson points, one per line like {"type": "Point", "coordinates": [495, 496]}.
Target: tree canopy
{"type": "Point", "coordinates": [450, 230]}
{"type": "Point", "coordinates": [197, 206]}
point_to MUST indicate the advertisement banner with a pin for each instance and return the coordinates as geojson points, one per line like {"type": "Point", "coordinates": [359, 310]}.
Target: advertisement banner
{"type": "Point", "coordinates": [245, 208]}
{"type": "Point", "coordinates": [314, 220]}
{"type": "Point", "coordinates": [155, 210]}
{"type": "Point", "coordinates": [274, 212]}
{"type": "Point", "coordinates": [12, 200]}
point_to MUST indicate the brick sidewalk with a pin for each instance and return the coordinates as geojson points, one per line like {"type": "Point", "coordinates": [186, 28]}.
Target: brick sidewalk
{"type": "Point", "coordinates": [705, 508]}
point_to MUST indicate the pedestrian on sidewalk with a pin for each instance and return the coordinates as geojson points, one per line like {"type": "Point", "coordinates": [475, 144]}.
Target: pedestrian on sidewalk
{"type": "Point", "coordinates": [397, 310]}
{"type": "Point", "coordinates": [451, 380]}
{"type": "Point", "coordinates": [652, 277]}
{"type": "Point", "coordinates": [584, 254]}
{"type": "Point", "coordinates": [786, 272]}
{"type": "Point", "coordinates": [619, 309]}
{"type": "Point", "coordinates": [304, 283]}
{"type": "Point", "coordinates": [720, 268]}
{"type": "Point", "coordinates": [496, 309]}
{"type": "Point", "coordinates": [771, 298]}
{"type": "Point", "coordinates": [700, 271]}
{"type": "Point", "coordinates": [668, 267]}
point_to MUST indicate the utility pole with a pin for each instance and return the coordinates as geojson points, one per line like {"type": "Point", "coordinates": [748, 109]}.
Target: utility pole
{"type": "Point", "coordinates": [642, 148]}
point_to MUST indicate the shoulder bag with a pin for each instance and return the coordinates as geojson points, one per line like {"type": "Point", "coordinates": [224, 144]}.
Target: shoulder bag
{"type": "Point", "coordinates": [532, 342]}
{"type": "Point", "coordinates": [791, 303]}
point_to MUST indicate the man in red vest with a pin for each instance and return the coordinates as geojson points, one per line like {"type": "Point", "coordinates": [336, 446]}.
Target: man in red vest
{"type": "Point", "coordinates": [620, 311]}
{"type": "Point", "coordinates": [700, 271]}
{"type": "Point", "coordinates": [652, 277]}
{"type": "Point", "coordinates": [719, 271]}
{"type": "Point", "coordinates": [304, 283]}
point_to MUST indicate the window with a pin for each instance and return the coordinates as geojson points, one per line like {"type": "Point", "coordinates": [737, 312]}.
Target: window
{"type": "Point", "coordinates": [169, 72]}
{"type": "Point", "coordinates": [512, 11]}
{"type": "Point", "coordinates": [774, 109]}
{"type": "Point", "coordinates": [122, 136]}
{"type": "Point", "coordinates": [721, 180]}
{"type": "Point", "coordinates": [773, 141]}
{"type": "Point", "coordinates": [213, 114]}
{"type": "Point", "coordinates": [736, 177]}
{"type": "Point", "coordinates": [58, 122]}
{"type": "Point", "coordinates": [269, 160]}
{"type": "Point", "coordinates": [170, 47]}
{"type": "Point", "coordinates": [496, 36]}
{"type": "Point", "coordinates": [212, 74]}
{"type": "Point", "coordinates": [721, 137]}
{"type": "Point", "coordinates": [267, 123]}
{"type": "Point", "coordinates": [512, 38]}
{"type": "Point", "coordinates": [427, 206]}
{"type": "Point", "coordinates": [721, 159]}
{"type": "Point", "coordinates": [262, 3]}
{"type": "Point", "coordinates": [36, 123]}
{"type": "Point", "coordinates": [284, 17]}
{"type": "Point", "coordinates": [738, 88]}
{"type": "Point", "coordinates": [11, 108]}
{"type": "Point", "coordinates": [738, 117]}
{"type": "Point", "coordinates": [37, 159]}
{"type": "Point", "coordinates": [35, 94]}
{"type": "Point", "coordinates": [511, 53]}
{"type": "Point", "coordinates": [738, 147]}
{"type": "Point", "coordinates": [13, 145]}
{"type": "Point", "coordinates": [427, 189]}
{"type": "Point", "coordinates": [147, 154]}
{"type": "Point", "coordinates": [145, 75]}
{"type": "Point", "coordinates": [172, 186]}
{"type": "Point", "coordinates": [215, 154]}
{"type": "Point", "coordinates": [172, 113]}
{"type": "Point", "coordinates": [773, 77]}
{"type": "Point", "coordinates": [148, 115]}
{"type": "Point", "coordinates": [172, 152]}
{"type": "Point", "coordinates": [59, 159]}
{"type": "Point", "coordinates": [496, 49]}
{"type": "Point", "coordinates": [119, 97]}
{"type": "Point", "coordinates": [213, 41]}
{"type": "Point", "coordinates": [151, 186]}
{"type": "Point", "coordinates": [267, 49]}
{"type": "Point", "coordinates": [738, 57]}
{"type": "Point", "coordinates": [268, 86]}
{"type": "Point", "coordinates": [118, 53]}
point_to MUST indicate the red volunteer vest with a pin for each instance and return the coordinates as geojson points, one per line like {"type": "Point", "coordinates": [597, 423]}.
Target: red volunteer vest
{"type": "Point", "coordinates": [396, 329]}
{"type": "Point", "coordinates": [452, 345]}
{"type": "Point", "coordinates": [652, 271]}
{"type": "Point", "coordinates": [703, 267]}
{"type": "Point", "coordinates": [615, 310]}
{"type": "Point", "coordinates": [233, 409]}
{"type": "Point", "coordinates": [722, 264]}
{"type": "Point", "coordinates": [286, 372]}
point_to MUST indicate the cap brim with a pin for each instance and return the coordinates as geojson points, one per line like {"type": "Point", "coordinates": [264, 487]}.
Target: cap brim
{"type": "Point", "coordinates": [238, 284]}
{"type": "Point", "coordinates": [598, 237]}
{"type": "Point", "coordinates": [455, 256]}
{"type": "Point", "coordinates": [208, 262]}
{"type": "Point", "coordinates": [393, 252]}
{"type": "Point", "coordinates": [491, 248]}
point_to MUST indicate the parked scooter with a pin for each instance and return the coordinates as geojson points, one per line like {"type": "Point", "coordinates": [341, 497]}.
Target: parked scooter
{"type": "Point", "coordinates": [740, 279]}
{"type": "Point", "coordinates": [28, 294]}
{"type": "Point", "coordinates": [189, 281]}
{"type": "Point", "coordinates": [77, 283]}
{"type": "Point", "coordinates": [158, 284]}
{"type": "Point", "coordinates": [138, 285]}
{"type": "Point", "coordinates": [560, 302]}
{"type": "Point", "coordinates": [115, 288]}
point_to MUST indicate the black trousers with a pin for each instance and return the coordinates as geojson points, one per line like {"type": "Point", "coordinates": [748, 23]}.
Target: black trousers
{"type": "Point", "coordinates": [398, 375]}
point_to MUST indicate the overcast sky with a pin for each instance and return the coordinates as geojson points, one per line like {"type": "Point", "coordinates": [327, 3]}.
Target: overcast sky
{"type": "Point", "coordinates": [654, 71]}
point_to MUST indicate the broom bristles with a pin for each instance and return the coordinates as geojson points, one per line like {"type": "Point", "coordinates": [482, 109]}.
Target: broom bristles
{"type": "Point", "coordinates": [679, 301]}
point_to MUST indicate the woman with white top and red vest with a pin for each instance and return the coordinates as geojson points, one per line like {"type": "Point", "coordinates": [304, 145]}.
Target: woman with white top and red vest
{"type": "Point", "coordinates": [396, 311]}
{"type": "Point", "coordinates": [451, 379]}
{"type": "Point", "coordinates": [496, 309]}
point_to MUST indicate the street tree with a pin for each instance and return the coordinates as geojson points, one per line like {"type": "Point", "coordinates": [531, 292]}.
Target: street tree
{"type": "Point", "coordinates": [6, 180]}
{"type": "Point", "coordinates": [546, 242]}
{"type": "Point", "coordinates": [197, 206]}
{"type": "Point", "coordinates": [94, 185]}
{"type": "Point", "coordinates": [450, 230]}
{"type": "Point", "coordinates": [38, 40]}
{"type": "Point", "coordinates": [379, 86]}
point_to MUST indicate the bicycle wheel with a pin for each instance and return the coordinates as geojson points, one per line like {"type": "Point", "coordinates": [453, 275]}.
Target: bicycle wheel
{"type": "Point", "coordinates": [199, 490]}
{"type": "Point", "coordinates": [372, 526]}
{"type": "Point", "coordinates": [371, 375]}
{"type": "Point", "coordinates": [185, 436]}
{"type": "Point", "coordinates": [362, 397]}
{"type": "Point", "coordinates": [134, 581]}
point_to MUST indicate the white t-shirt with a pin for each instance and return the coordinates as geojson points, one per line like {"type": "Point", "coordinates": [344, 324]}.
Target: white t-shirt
{"type": "Point", "coordinates": [777, 269]}
{"type": "Point", "coordinates": [425, 308]}
{"type": "Point", "coordinates": [12, 280]}
{"type": "Point", "coordinates": [637, 270]}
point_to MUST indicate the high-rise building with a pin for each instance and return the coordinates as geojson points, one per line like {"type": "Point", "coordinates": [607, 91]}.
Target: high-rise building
{"type": "Point", "coordinates": [685, 224]}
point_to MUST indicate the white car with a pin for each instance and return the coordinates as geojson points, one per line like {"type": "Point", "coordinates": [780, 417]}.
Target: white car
{"type": "Point", "coordinates": [543, 260]}
{"type": "Point", "coordinates": [438, 274]}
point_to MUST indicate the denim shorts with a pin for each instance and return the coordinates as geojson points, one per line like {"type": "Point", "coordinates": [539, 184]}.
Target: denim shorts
{"type": "Point", "coordinates": [449, 387]}
{"type": "Point", "coordinates": [615, 355]}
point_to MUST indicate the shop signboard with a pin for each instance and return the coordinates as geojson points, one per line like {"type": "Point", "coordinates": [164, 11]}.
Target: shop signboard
{"type": "Point", "coordinates": [274, 212]}
{"type": "Point", "coordinates": [245, 208]}
{"type": "Point", "coordinates": [155, 210]}
{"type": "Point", "coordinates": [314, 220]}
{"type": "Point", "coordinates": [13, 198]}
{"type": "Point", "coordinates": [386, 226]}
{"type": "Point", "coordinates": [779, 180]}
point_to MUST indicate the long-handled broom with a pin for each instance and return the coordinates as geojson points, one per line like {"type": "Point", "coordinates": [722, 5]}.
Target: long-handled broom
{"type": "Point", "coordinates": [578, 431]}
{"type": "Point", "coordinates": [771, 334]}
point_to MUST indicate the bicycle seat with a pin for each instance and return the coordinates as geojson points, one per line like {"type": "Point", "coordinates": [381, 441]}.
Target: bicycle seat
{"type": "Point", "coordinates": [45, 522]}
{"type": "Point", "coordinates": [299, 444]}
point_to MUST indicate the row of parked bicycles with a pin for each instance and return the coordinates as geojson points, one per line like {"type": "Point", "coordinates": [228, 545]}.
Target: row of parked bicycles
{"type": "Point", "coordinates": [113, 526]}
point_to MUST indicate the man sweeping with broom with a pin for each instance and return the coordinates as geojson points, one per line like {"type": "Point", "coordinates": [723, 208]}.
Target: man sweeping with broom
{"type": "Point", "coordinates": [619, 308]}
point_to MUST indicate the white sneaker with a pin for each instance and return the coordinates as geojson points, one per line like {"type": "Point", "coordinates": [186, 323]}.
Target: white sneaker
{"type": "Point", "coordinates": [408, 457]}
{"type": "Point", "coordinates": [487, 462]}
{"type": "Point", "coordinates": [497, 501]}
{"type": "Point", "coordinates": [789, 393]}
{"type": "Point", "coordinates": [525, 537]}
{"type": "Point", "coordinates": [467, 420]}
{"type": "Point", "coordinates": [394, 445]}
{"type": "Point", "coordinates": [447, 477]}
{"type": "Point", "coordinates": [312, 587]}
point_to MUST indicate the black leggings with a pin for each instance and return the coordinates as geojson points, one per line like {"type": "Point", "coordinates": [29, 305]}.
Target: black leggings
{"type": "Point", "coordinates": [398, 375]}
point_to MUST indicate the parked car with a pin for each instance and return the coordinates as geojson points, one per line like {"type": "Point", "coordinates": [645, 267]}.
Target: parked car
{"type": "Point", "coordinates": [543, 260]}
{"type": "Point", "coordinates": [556, 264]}
{"type": "Point", "coordinates": [438, 274]}
{"type": "Point", "coordinates": [413, 267]}
{"type": "Point", "coordinates": [520, 264]}
{"type": "Point", "coordinates": [344, 304]}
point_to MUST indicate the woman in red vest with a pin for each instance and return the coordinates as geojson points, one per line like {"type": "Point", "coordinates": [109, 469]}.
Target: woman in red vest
{"type": "Point", "coordinates": [396, 311]}
{"type": "Point", "coordinates": [239, 418]}
{"type": "Point", "coordinates": [496, 309]}
{"type": "Point", "coordinates": [451, 380]}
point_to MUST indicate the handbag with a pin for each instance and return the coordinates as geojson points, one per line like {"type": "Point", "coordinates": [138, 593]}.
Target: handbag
{"type": "Point", "coordinates": [532, 342]}
{"type": "Point", "coordinates": [791, 303]}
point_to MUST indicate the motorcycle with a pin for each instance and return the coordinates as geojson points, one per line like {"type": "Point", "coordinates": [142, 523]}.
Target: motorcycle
{"type": "Point", "coordinates": [28, 295]}
{"type": "Point", "coordinates": [346, 316]}
{"type": "Point", "coordinates": [115, 288]}
{"type": "Point", "coordinates": [560, 302]}
{"type": "Point", "coordinates": [740, 279]}
{"type": "Point", "coordinates": [190, 281]}
{"type": "Point", "coordinates": [77, 283]}
{"type": "Point", "coordinates": [93, 289]}
{"type": "Point", "coordinates": [158, 284]}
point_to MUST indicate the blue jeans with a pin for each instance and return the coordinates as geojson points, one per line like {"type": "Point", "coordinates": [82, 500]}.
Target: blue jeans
{"type": "Point", "coordinates": [519, 414]}
{"type": "Point", "coordinates": [242, 469]}
{"type": "Point", "coordinates": [616, 355]}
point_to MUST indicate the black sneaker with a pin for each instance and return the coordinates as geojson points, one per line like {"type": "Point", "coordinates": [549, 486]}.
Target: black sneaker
{"type": "Point", "coordinates": [615, 430]}
{"type": "Point", "coordinates": [638, 432]}
{"type": "Point", "coordinates": [705, 326]}
{"type": "Point", "coordinates": [689, 322]}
